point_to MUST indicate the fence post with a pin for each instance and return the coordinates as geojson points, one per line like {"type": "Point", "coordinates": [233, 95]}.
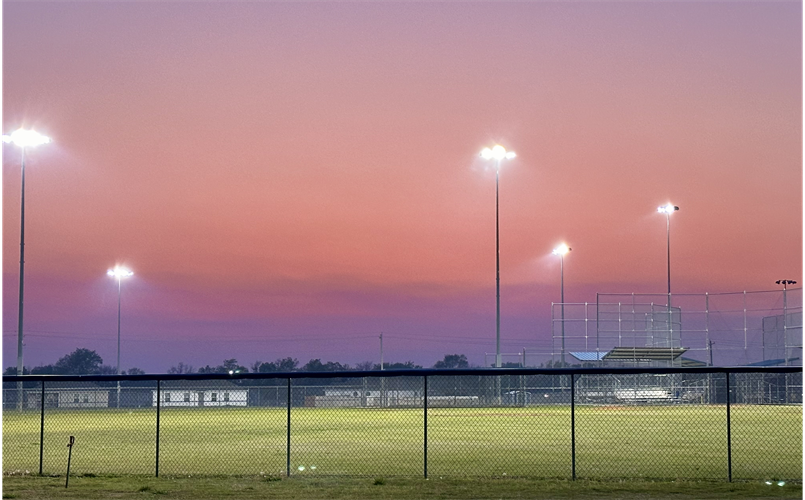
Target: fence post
{"type": "Point", "coordinates": [42, 428]}
{"type": "Point", "coordinates": [425, 393]}
{"type": "Point", "coordinates": [157, 448]}
{"type": "Point", "coordinates": [288, 434]}
{"type": "Point", "coordinates": [729, 430]}
{"type": "Point", "coordinates": [573, 422]}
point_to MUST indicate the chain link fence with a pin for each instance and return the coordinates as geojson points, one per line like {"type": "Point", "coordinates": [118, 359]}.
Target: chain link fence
{"type": "Point", "coordinates": [658, 423]}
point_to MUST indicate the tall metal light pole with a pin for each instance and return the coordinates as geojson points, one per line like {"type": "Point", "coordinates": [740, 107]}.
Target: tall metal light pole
{"type": "Point", "coordinates": [668, 210]}
{"type": "Point", "coordinates": [22, 138]}
{"type": "Point", "coordinates": [119, 273]}
{"type": "Point", "coordinates": [561, 251]}
{"type": "Point", "coordinates": [499, 153]}
{"type": "Point", "coordinates": [785, 317]}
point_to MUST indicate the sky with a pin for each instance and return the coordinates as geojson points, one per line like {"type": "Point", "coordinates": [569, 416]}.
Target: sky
{"type": "Point", "coordinates": [295, 178]}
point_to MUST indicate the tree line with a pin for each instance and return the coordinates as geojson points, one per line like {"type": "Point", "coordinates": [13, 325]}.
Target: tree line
{"type": "Point", "coordinates": [88, 362]}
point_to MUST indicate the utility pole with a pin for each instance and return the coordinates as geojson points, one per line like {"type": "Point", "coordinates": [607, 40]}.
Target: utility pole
{"type": "Point", "coordinates": [382, 379]}
{"type": "Point", "coordinates": [710, 375]}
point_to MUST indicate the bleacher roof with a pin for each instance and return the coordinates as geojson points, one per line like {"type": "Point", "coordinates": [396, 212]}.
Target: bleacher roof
{"type": "Point", "coordinates": [771, 362]}
{"type": "Point", "coordinates": [691, 363]}
{"type": "Point", "coordinates": [589, 355]}
{"type": "Point", "coordinates": [644, 353]}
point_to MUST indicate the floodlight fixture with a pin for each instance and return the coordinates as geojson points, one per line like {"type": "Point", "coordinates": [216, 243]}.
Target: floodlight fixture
{"type": "Point", "coordinates": [119, 272]}
{"type": "Point", "coordinates": [562, 249]}
{"type": "Point", "coordinates": [24, 138]}
{"type": "Point", "coordinates": [667, 209]}
{"type": "Point", "coordinates": [497, 152]}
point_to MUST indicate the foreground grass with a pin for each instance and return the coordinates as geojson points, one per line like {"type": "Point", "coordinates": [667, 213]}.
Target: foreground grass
{"type": "Point", "coordinates": [267, 487]}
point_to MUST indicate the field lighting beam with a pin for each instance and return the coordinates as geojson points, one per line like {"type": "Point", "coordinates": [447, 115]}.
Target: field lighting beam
{"type": "Point", "coordinates": [118, 273]}
{"type": "Point", "coordinates": [561, 251]}
{"type": "Point", "coordinates": [23, 139]}
{"type": "Point", "coordinates": [498, 153]}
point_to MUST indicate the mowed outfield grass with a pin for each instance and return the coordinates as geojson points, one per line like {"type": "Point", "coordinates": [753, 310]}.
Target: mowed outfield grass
{"type": "Point", "coordinates": [654, 442]}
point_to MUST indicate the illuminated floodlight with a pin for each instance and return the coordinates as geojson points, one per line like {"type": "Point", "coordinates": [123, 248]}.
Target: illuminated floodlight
{"type": "Point", "coordinates": [119, 272]}
{"type": "Point", "coordinates": [497, 152]}
{"type": "Point", "coordinates": [562, 249]}
{"type": "Point", "coordinates": [667, 209]}
{"type": "Point", "coordinates": [24, 138]}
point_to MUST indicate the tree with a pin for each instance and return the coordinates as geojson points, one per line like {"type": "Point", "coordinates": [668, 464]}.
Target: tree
{"type": "Point", "coordinates": [43, 370]}
{"type": "Point", "coordinates": [135, 371]}
{"type": "Point", "coordinates": [280, 365]}
{"type": "Point", "coordinates": [181, 368]}
{"type": "Point", "coordinates": [366, 366]}
{"type": "Point", "coordinates": [230, 365]}
{"type": "Point", "coordinates": [79, 362]}
{"type": "Point", "coordinates": [408, 365]}
{"type": "Point", "coordinates": [12, 370]}
{"type": "Point", "coordinates": [453, 361]}
{"type": "Point", "coordinates": [315, 365]}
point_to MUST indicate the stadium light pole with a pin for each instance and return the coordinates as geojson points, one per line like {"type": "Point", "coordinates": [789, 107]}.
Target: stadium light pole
{"type": "Point", "coordinates": [118, 273]}
{"type": "Point", "coordinates": [498, 153]}
{"type": "Point", "coordinates": [22, 138]}
{"type": "Point", "coordinates": [668, 209]}
{"type": "Point", "coordinates": [561, 251]}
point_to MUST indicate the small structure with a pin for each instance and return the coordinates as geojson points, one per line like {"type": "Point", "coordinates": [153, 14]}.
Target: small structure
{"type": "Point", "coordinates": [200, 393]}
{"type": "Point", "coordinates": [69, 395]}
{"type": "Point", "coordinates": [358, 398]}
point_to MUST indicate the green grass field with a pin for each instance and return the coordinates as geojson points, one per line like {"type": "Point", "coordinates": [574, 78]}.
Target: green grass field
{"type": "Point", "coordinates": [652, 442]}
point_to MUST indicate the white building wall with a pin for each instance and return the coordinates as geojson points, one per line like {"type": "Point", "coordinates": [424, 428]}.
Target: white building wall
{"type": "Point", "coordinates": [222, 397]}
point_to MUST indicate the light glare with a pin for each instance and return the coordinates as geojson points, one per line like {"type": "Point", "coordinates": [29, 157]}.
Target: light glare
{"type": "Point", "coordinates": [24, 138]}
{"type": "Point", "coordinates": [497, 152]}
{"type": "Point", "coordinates": [562, 249]}
{"type": "Point", "coordinates": [119, 272]}
{"type": "Point", "coordinates": [667, 209]}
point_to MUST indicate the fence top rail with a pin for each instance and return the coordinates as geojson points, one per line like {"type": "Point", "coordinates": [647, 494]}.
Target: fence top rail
{"type": "Point", "coordinates": [429, 372]}
{"type": "Point", "coordinates": [663, 294]}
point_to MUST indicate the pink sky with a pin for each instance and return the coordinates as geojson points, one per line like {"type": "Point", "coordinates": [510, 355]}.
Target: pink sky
{"type": "Point", "coordinates": [291, 179]}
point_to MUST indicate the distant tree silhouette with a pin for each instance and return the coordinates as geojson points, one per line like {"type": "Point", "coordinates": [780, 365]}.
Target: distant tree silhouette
{"type": "Point", "coordinates": [453, 361]}
{"type": "Point", "coordinates": [79, 362]}
{"type": "Point", "coordinates": [181, 368]}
